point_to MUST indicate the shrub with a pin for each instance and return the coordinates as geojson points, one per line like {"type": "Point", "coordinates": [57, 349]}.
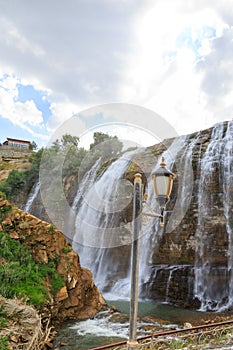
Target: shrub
{"type": "Point", "coordinates": [14, 183]}
{"type": "Point", "coordinates": [66, 250]}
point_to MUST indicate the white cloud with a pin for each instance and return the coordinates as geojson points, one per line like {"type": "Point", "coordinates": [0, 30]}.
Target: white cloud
{"type": "Point", "coordinates": [25, 115]}
{"type": "Point", "coordinates": [61, 111]}
{"type": "Point", "coordinates": [12, 37]}
{"type": "Point", "coordinates": [27, 112]}
{"type": "Point", "coordinates": [174, 57]}
{"type": "Point", "coordinates": [161, 73]}
{"type": "Point", "coordinates": [76, 51]}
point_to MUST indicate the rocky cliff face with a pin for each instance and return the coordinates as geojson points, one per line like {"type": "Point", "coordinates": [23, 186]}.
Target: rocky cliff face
{"type": "Point", "coordinates": [79, 297]}
{"type": "Point", "coordinates": [192, 263]}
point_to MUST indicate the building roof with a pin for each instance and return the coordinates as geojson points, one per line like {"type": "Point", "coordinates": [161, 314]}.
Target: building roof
{"type": "Point", "coordinates": [16, 140]}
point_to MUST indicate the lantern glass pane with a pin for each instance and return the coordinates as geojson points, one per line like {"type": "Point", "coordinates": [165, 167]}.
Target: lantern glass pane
{"type": "Point", "coordinates": [162, 183]}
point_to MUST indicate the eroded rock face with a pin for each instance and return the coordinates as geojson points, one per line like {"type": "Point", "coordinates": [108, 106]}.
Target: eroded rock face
{"type": "Point", "coordinates": [79, 297]}
{"type": "Point", "coordinates": [192, 263]}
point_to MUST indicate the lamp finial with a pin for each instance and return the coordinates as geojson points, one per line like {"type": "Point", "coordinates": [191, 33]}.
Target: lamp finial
{"type": "Point", "coordinates": [163, 162]}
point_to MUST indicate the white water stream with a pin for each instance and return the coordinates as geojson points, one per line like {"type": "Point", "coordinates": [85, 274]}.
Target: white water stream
{"type": "Point", "coordinates": [227, 169]}
{"type": "Point", "coordinates": [214, 284]}
{"type": "Point", "coordinates": [32, 196]}
{"type": "Point", "coordinates": [96, 229]}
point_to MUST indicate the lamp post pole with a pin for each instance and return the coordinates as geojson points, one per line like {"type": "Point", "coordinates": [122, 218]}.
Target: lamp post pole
{"type": "Point", "coordinates": [135, 249]}
{"type": "Point", "coordinates": [163, 181]}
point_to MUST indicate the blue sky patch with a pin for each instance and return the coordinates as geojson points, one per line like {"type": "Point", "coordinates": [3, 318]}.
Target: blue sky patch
{"type": "Point", "coordinates": [8, 129]}
{"type": "Point", "coordinates": [28, 92]}
{"type": "Point", "coordinates": [185, 39]}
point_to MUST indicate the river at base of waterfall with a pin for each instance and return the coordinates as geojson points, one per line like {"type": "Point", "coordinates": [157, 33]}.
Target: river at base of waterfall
{"type": "Point", "coordinates": [109, 327]}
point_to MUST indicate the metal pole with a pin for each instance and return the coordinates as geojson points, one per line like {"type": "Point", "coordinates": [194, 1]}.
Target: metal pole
{"type": "Point", "coordinates": [135, 252]}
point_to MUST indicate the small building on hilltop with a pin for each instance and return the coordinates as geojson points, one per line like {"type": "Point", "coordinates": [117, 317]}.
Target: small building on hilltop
{"type": "Point", "coordinates": [21, 144]}
{"type": "Point", "coordinates": [15, 149]}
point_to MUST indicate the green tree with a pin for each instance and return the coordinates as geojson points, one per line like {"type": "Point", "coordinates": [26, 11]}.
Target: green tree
{"type": "Point", "coordinates": [16, 179]}
{"type": "Point", "coordinates": [14, 183]}
{"type": "Point", "coordinates": [33, 146]}
{"type": "Point", "coordinates": [105, 145]}
{"type": "Point", "coordinates": [69, 140]}
{"type": "Point", "coordinates": [33, 173]}
{"type": "Point", "coordinates": [73, 160]}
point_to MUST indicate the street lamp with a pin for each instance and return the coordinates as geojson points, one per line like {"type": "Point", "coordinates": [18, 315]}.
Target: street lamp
{"type": "Point", "coordinates": [163, 181]}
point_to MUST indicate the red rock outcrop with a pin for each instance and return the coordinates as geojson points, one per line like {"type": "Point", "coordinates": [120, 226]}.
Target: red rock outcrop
{"type": "Point", "coordinates": [79, 298]}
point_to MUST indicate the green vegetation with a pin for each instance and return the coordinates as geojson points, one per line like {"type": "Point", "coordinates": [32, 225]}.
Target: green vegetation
{"type": "Point", "coordinates": [4, 344]}
{"type": "Point", "coordinates": [107, 146]}
{"type": "Point", "coordinates": [74, 159]}
{"type": "Point", "coordinates": [15, 181]}
{"type": "Point", "coordinates": [22, 277]}
{"type": "Point", "coordinates": [66, 250]}
{"type": "Point", "coordinates": [51, 228]}
{"type": "Point", "coordinates": [33, 146]}
{"type": "Point", "coordinates": [33, 174]}
{"type": "Point", "coordinates": [3, 166]}
{"type": "Point", "coordinates": [6, 208]}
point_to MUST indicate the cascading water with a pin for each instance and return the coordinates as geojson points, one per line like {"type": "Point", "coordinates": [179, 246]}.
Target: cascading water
{"type": "Point", "coordinates": [150, 226]}
{"type": "Point", "coordinates": [213, 272]}
{"type": "Point", "coordinates": [97, 232]}
{"type": "Point", "coordinates": [227, 170]}
{"type": "Point", "coordinates": [85, 184]}
{"type": "Point", "coordinates": [96, 219]}
{"type": "Point", "coordinates": [32, 196]}
{"type": "Point", "coordinates": [180, 152]}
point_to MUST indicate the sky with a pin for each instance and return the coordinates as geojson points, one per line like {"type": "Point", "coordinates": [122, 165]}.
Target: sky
{"type": "Point", "coordinates": [60, 58]}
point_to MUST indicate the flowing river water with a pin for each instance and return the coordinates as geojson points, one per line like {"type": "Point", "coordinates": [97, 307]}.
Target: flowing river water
{"type": "Point", "coordinates": [106, 327]}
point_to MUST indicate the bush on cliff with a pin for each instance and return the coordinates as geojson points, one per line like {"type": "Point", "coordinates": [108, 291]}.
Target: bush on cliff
{"type": "Point", "coordinates": [14, 183]}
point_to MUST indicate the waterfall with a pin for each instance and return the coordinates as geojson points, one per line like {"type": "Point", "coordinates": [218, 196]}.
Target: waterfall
{"type": "Point", "coordinates": [103, 235]}
{"type": "Point", "coordinates": [227, 171]}
{"type": "Point", "coordinates": [180, 152]}
{"type": "Point", "coordinates": [32, 196]}
{"type": "Point", "coordinates": [98, 212]}
{"type": "Point", "coordinates": [97, 229]}
{"type": "Point", "coordinates": [85, 184]}
{"type": "Point", "coordinates": [171, 270]}
{"type": "Point", "coordinates": [213, 270]}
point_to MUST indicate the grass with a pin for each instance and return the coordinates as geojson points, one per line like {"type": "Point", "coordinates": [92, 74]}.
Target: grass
{"type": "Point", "coordinates": [4, 343]}
{"type": "Point", "coordinates": [66, 250]}
{"type": "Point", "coordinates": [22, 277]}
{"type": "Point", "coordinates": [4, 166]}
{"type": "Point", "coordinates": [6, 209]}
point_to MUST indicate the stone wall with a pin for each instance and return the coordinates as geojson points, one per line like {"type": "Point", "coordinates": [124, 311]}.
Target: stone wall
{"type": "Point", "coordinates": [13, 152]}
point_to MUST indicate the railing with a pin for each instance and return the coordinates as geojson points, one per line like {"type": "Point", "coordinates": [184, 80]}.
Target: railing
{"type": "Point", "coordinates": [201, 337]}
